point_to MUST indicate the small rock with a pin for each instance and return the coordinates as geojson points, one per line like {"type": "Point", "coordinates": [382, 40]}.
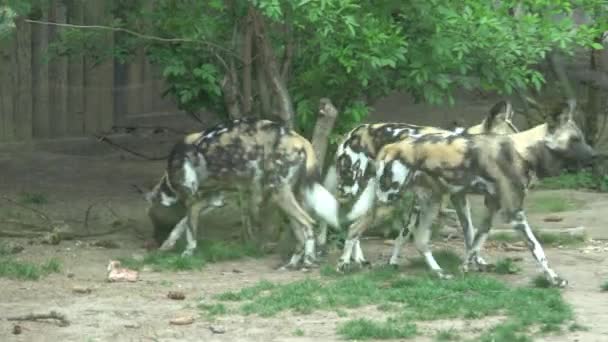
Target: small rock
{"type": "Point", "coordinates": [17, 329]}
{"type": "Point", "coordinates": [150, 245]}
{"type": "Point", "coordinates": [183, 320]}
{"type": "Point", "coordinates": [105, 244]}
{"type": "Point", "coordinates": [71, 275]}
{"type": "Point", "coordinates": [389, 242]}
{"type": "Point", "coordinates": [176, 295]}
{"type": "Point", "coordinates": [16, 249]}
{"type": "Point", "coordinates": [52, 238]}
{"type": "Point", "coordinates": [553, 219]}
{"type": "Point", "coordinates": [132, 325]}
{"type": "Point", "coordinates": [81, 289]}
{"type": "Point", "coordinates": [236, 271]}
{"type": "Point", "coordinates": [217, 330]}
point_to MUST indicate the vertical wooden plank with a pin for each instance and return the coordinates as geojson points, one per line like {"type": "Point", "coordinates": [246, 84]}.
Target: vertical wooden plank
{"type": "Point", "coordinates": [23, 104]}
{"type": "Point", "coordinates": [40, 81]}
{"type": "Point", "coordinates": [9, 79]}
{"type": "Point", "coordinates": [58, 74]}
{"type": "Point", "coordinates": [91, 76]}
{"type": "Point", "coordinates": [106, 70]}
{"type": "Point", "coordinates": [76, 93]}
{"type": "Point", "coordinates": [135, 102]}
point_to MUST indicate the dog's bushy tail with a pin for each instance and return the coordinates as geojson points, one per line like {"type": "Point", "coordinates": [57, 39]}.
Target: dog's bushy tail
{"type": "Point", "coordinates": [317, 197]}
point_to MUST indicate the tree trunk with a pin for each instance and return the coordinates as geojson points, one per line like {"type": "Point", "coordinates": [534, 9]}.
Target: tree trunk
{"type": "Point", "coordinates": [323, 127]}
{"type": "Point", "coordinates": [271, 69]}
{"type": "Point", "coordinates": [594, 99]}
{"type": "Point", "coordinates": [247, 61]}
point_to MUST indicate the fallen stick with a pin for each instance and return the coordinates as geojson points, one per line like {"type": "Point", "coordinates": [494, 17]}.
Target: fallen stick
{"type": "Point", "coordinates": [107, 140]}
{"type": "Point", "coordinates": [63, 321]}
{"type": "Point", "coordinates": [38, 212]}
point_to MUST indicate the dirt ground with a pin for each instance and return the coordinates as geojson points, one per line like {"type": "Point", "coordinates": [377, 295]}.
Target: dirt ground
{"type": "Point", "coordinates": [75, 174]}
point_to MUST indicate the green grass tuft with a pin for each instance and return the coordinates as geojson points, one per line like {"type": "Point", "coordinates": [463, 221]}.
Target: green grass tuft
{"type": "Point", "coordinates": [552, 204]}
{"type": "Point", "coordinates": [364, 329]}
{"type": "Point", "coordinates": [541, 282]}
{"type": "Point", "coordinates": [579, 180]}
{"type": "Point", "coordinates": [447, 335]}
{"type": "Point", "coordinates": [206, 251]}
{"type": "Point", "coordinates": [506, 332]}
{"type": "Point", "coordinates": [604, 286]}
{"type": "Point", "coordinates": [577, 327]}
{"type": "Point", "coordinates": [13, 269]}
{"type": "Point", "coordinates": [507, 266]}
{"type": "Point", "coordinates": [556, 239]}
{"type": "Point", "coordinates": [214, 309]}
{"type": "Point", "coordinates": [298, 332]}
{"type": "Point", "coordinates": [36, 198]}
{"type": "Point", "coordinates": [448, 260]}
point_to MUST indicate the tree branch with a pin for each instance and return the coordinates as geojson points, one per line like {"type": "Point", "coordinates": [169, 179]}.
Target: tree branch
{"type": "Point", "coordinates": [247, 61]}
{"type": "Point", "coordinates": [286, 111]}
{"type": "Point", "coordinates": [134, 33]}
{"type": "Point", "coordinates": [323, 127]}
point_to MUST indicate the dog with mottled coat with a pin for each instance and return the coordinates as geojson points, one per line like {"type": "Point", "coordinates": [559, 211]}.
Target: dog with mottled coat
{"type": "Point", "coordinates": [497, 167]}
{"type": "Point", "coordinates": [352, 175]}
{"type": "Point", "coordinates": [262, 156]}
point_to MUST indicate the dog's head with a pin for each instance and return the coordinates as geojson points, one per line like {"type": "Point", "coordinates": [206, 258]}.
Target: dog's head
{"type": "Point", "coordinates": [566, 139]}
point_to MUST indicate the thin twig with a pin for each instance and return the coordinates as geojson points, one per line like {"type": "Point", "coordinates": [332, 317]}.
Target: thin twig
{"type": "Point", "coordinates": [106, 140]}
{"type": "Point", "coordinates": [38, 212]}
{"type": "Point", "coordinates": [133, 33]}
{"type": "Point", "coordinates": [63, 321]}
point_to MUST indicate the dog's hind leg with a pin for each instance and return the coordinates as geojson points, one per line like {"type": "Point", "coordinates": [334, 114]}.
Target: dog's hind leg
{"type": "Point", "coordinates": [331, 184]}
{"type": "Point", "coordinates": [303, 231]}
{"type": "Point", "coordinates": [407, 225]}
{"type": "Point", "coordinates": [519, 222]}
{"type": "Point", "coordinates": [422, 233]}
{"type": "Point", "coordinates": [463, 211]}
{"type": "Point", "coordinates": [472, 257]}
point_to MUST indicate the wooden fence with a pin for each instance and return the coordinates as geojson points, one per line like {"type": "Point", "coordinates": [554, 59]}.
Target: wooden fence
{"type": "Point", "coordinates": [70, 96]}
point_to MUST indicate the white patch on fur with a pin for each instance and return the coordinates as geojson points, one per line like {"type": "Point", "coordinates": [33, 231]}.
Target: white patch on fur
{"type": "Point", "coordinates": [166, 200]}
{"type": "Point", "coordinates": [400, 173]}
{"type": "Point", "coordinates": [323, 203]}
{"type": "Point", "coordinates": [365, 201]}
{"type": "Point", "coordinates": [190, 177]}
{"type": "Point", "coordinates": [331, 179]}
{"type": "Point", "coordinates": [485, 185]}
{"type": "Point", "coordinates": [458, 130]}
{"type": "Point", "coordinates": [397, 131]}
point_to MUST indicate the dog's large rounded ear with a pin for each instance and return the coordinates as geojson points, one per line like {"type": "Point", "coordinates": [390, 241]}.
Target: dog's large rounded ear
{"type": "Point", "coordinates": [498, 112]}
{"type": "Point", "coordinates": [561, 113]}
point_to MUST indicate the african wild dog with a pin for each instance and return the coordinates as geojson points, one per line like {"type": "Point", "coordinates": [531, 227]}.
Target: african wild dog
{"type": "Point", "coordinates": [499, 167]}
{"type": "Point", "coordinates": [263, 156]}
{"type": "Point", "coordinates": [353, 172]}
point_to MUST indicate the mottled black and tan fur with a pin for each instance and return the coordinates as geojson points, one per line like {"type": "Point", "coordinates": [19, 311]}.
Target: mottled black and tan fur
{"type": "Point", "coordinates": [261, 156]}
{"type": "Point", "coordinates": [498, 167]}
{"type": "Point", "coordinates": [351, 177]}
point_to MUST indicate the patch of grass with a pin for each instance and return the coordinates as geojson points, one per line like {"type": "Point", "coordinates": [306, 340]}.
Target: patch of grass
{"type": "Point", "coordinates": [298, 332]}
{"type": "Point", "coordinates": [414, 298]}
{"type": "Point", "coordinates": [447, 335]}
{"type": "Point", "coordinates": [506, 332]}
{"type": "Point", "coordinates": [206, 251]}
{"type": "Point", "coordinates": [365, 329]}
{"type": "Point", "coordinates": [552, 204]}
{"type": "Point", "coordinates": [13, 269]}
{"type": "Point", "coordinates": [604, 286]}
{"type": "Point", "coordinates": [556, 239]}
{"type": "Point", "coordinates": [504, 237]}
{"type": "Point", "coordinates": [577, 327]}
{"type": "Point", "coordinates": [4, 250]}
{"type": "Point", "coordinates": [541, 282]}
{"type": "Point", "coordinates": [578, 180]}
{"type": "Point", "coordinates": [448, 260]}
{"type": "Point", "coordinates": [214, 309]}
{"type": "Point", "coordinates": [36, 198]}
{"type": "Point", "coordinates": [507, 266]}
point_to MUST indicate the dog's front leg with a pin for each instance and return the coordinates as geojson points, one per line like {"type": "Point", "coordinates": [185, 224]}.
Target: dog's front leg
{"type": "Point", "coordinates": [175, 234]}
{"type": "Point", "coordinates": [519, 222]}
{"type": "Point", "coordinates": [463, 211]}
{"type": "Point", "coordinates": [352, 248]}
